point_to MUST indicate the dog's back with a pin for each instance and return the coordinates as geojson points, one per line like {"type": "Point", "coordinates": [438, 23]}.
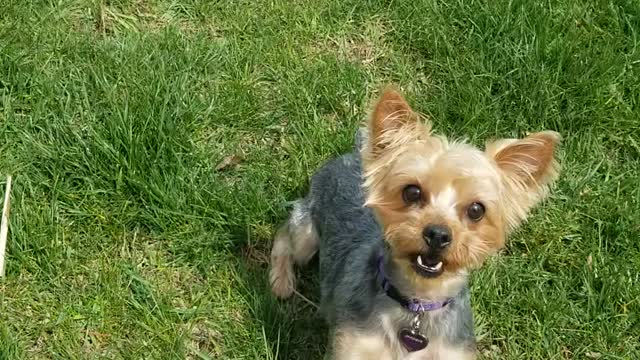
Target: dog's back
{"type": "Point", "coordinates": [349, 239]}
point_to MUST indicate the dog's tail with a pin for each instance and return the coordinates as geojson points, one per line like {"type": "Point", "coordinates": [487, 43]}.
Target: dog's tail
{"type": "Point", "coordinates": [295, 242]}
{"type": "Point", "coordinates": [362, 136]}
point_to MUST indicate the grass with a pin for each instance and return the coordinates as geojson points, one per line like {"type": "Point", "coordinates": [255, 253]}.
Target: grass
{"type": "Point", "coordinates": [126, 242]}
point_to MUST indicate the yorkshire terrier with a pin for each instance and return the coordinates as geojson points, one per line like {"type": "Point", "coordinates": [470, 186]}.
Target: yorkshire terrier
{"type": "Point", "coordinates": [399, 224]}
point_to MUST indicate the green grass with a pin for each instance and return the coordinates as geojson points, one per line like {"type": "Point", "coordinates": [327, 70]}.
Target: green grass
{"type": "Point", "coordinates": [127, 243]}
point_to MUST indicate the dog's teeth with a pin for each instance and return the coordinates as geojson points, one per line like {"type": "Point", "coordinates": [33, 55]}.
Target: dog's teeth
{"type": "Point", "coordinates": [433, 268]}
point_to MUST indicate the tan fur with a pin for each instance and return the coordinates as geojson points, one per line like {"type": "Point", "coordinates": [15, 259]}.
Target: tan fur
{"type": "Point", "coordinates": [297, 242]}
{"type": "Point", "coordinates": [281, 275]}
{"type": "Point", "coordinates": [509, 178]}
{"type": "Point", "coordinates": [439, 350]}
{"type": "Point", "coordinates": [528, 169]}
{"type": "Point", "coordinates": [354, 344]}
{"type": "Point", "coordinates": [305, 242]}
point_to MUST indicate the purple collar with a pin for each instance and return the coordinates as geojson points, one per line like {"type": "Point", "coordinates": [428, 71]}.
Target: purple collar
{"type": "Point", "coordinates": [414, 305]}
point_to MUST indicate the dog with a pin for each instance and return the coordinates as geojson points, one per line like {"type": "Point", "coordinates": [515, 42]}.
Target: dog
{"type": "Point", "coordinates": [399, 223]}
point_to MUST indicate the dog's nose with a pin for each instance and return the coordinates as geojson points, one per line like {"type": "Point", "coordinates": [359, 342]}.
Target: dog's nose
{"type": "Point", "coordinates": [437, 236]}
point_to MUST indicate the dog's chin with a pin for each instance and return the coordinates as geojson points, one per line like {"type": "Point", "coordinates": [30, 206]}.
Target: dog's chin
{"type": "Point", "coordinates": [427, 266]}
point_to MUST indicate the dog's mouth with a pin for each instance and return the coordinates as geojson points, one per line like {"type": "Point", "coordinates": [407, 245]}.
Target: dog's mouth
{"type": "Point", "coordinates": [428, 266]}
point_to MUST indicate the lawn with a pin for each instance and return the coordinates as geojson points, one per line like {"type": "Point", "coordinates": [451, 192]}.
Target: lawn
{"type": "Point", "coordinates": [155, 145]}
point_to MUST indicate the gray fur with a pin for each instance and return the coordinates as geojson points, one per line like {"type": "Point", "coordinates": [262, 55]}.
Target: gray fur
{"type": "Point", "coordinates": [350, 241]}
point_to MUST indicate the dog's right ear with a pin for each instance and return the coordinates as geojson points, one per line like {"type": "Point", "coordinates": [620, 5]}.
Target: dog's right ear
{"type": "Point", "coordinates": [391, 112]}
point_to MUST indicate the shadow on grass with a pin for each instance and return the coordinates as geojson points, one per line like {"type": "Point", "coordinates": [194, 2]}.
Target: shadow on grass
{"type": "Point", "coordinates": [292, 328]}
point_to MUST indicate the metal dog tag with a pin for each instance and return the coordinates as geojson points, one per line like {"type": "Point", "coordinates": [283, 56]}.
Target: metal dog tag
{"type": "Point", "coordinates": [412, 341]}
{"type": "Point", "coordinates": [411, 338]}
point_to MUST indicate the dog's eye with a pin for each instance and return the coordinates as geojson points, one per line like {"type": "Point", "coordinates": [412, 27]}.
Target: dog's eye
{"type": "Point", "coordinates": [411, 194]}
{"type": "Point", "coordinates": [475, 211]}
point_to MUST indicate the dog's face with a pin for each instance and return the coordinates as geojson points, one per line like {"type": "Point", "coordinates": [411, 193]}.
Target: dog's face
{"type": "Point", "coordinates": [445, 206]}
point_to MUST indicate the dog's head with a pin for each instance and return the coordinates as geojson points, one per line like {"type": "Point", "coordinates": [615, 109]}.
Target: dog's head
{"type": "Point", "coordinates": [445, 205]}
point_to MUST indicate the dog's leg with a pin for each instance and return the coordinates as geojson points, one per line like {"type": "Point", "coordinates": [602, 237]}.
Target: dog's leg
{"type": "Point", "coordinates": [296, 241]}
{"type": "Point", "coordinates": [351, 344]}
{"type": "Point", "coordinates": [441, 350]}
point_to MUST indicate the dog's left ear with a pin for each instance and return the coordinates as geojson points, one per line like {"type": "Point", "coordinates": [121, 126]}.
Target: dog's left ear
{"type": "Point", "coordinates": [528, 167]}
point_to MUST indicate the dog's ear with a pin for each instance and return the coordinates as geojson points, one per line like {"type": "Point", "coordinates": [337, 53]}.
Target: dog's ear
{"type": "Point", "coordinates": [530, 161]}
{"type": "Point", "coordinates": [528, 167]}
{"type": "Point", "coordinates": [390, 112]}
